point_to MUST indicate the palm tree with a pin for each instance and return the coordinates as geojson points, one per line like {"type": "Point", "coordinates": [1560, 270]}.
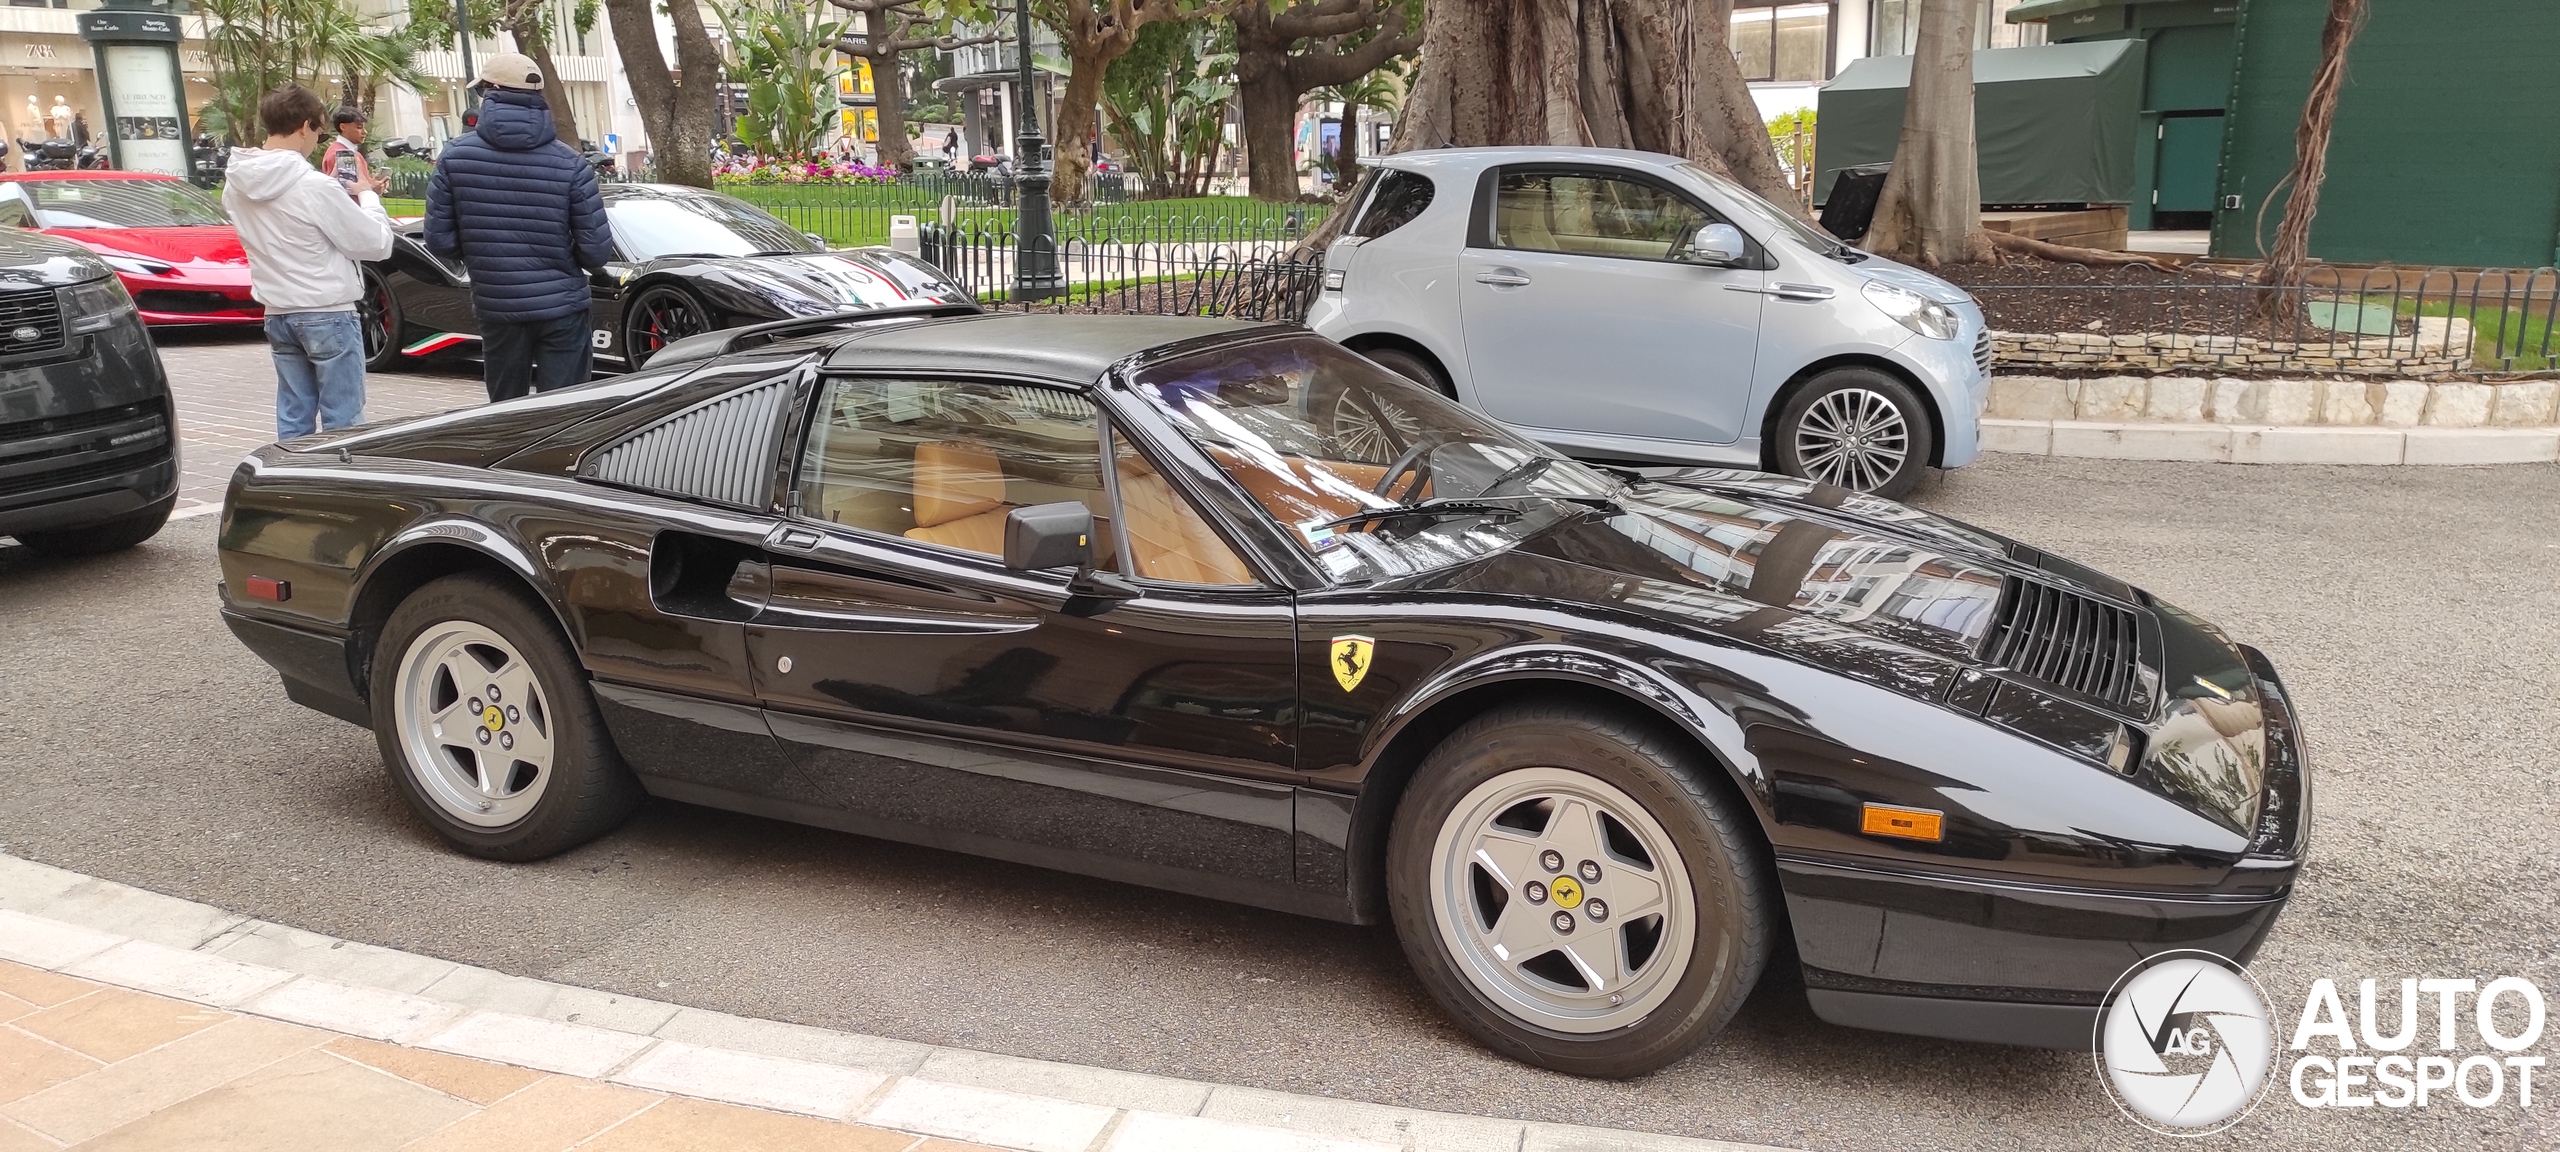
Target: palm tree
{"type": "Point", "coordinates": [1383, 91]}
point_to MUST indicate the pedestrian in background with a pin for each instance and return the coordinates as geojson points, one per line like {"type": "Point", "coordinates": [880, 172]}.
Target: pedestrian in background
{"type": "Point", "coordinates": [345, 157]}
{"type": "Point", "coordinates": [522, 210]}
{"type": "Point", "coordinates": [305, 239]}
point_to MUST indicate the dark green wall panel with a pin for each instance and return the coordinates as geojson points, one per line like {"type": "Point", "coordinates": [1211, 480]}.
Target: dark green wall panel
{"type": "Point", "coordinates": [2444, 151]}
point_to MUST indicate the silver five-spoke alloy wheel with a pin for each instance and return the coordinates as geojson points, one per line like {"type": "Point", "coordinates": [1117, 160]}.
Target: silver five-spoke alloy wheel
{"type": "Point", "coordinates": [1563, 901]}
{"type": "Point", "coordinates": [475, 724]}
{"type": "Point", "coordinates": [1854, 438]}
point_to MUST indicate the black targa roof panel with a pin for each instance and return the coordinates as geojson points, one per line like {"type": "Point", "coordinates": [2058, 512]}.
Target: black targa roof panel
{"type": "Point", "coordinates": [1070, 349]}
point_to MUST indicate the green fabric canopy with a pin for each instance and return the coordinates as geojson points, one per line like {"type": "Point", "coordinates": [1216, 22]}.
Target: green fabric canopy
{"type": "Point", "coordinates": [2053, 124]}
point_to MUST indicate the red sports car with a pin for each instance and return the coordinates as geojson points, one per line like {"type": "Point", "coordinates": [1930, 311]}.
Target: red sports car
{"type": "Point", "coordinates": [167, 239]}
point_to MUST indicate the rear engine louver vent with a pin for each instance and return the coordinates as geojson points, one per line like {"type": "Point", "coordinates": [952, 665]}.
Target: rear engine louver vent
{"type": "Point", "coordinates": [2066, 640]}
{"type": "Point", "coordinates": [721, 451]}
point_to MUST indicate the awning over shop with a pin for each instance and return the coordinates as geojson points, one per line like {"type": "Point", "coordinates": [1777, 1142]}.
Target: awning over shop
{"type": "Point", "coordinates": [2054, 124]}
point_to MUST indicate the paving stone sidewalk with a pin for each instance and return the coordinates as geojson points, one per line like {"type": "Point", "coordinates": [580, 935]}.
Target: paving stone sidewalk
{"type": "Point", "coordinates": [91, 1066]}
{"type": "Point", "coordinates": [226, 391]}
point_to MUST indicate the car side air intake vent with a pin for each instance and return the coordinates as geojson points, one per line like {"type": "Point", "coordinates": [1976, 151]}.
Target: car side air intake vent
{"type": "Point", "coordinates": [2067, 640]}
{"type": "Point", "coordinates": [721, 451]}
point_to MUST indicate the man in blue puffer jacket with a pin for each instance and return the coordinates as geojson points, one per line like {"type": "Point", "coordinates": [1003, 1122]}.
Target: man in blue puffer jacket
{"type": "Point", "coordinates": [521, 209]}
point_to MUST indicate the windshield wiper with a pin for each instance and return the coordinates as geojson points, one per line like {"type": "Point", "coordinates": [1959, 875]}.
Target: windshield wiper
{"type": "Point", "coordinates": [1467, 506]}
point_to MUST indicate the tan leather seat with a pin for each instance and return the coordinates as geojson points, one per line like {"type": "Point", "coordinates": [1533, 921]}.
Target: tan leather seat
{"type": "Point", "coordinates": [1167, 537]}
{"type": "Point", "coordinates": [959, 498]}
{"type": "Point", "coordinates": [1298, 496]}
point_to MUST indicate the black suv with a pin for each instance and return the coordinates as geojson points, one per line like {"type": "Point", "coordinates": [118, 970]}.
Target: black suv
{"type": "Point", "coordinates": [88, 443]}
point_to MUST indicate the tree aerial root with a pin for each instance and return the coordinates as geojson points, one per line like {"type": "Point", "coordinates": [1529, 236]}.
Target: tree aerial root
{"type": "Point", "coordinates": [2067, 254]}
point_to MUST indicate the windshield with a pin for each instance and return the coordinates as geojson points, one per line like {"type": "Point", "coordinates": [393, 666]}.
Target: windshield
{"type": "Point", "coordinates": [122, 204]}
{"type": "Point", "coordinates": [648, 227]}
{"type": "Point", "coordinates": [1317, 435]}
{"type": "Point", "coordinates": [1744, 202]}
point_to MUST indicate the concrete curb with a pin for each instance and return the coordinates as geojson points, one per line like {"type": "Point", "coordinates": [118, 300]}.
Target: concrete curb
{"type": "Point", "coordinates": [132, 938]}
{"type": "Point", "coordinates": [2270, 443]}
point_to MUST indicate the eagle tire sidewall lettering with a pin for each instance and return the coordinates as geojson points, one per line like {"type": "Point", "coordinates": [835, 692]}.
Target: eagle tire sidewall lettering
{"type": "Point", "coordinates": [2185, 1044]}
{"type": "Point", "coordinates": [1668, 774]}
{"type": "Point", "coordinates": [591, 790]}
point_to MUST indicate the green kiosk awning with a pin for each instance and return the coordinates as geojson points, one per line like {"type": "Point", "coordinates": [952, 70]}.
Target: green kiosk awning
{"type": "Point", "coordinates": [2034, 10]}
{"type": "Point", "coordinates": [2053, 124]}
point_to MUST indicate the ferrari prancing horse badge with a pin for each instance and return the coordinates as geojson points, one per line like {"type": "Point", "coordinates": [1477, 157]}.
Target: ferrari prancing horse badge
{"type": "Point", "coordinates": [1351, 659]}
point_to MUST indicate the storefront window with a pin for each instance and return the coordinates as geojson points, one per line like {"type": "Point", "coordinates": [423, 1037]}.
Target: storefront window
{"type": "Point", "coordinates": [1783, 42]}
{"type": "Point", "coordinates": [1896, 28]}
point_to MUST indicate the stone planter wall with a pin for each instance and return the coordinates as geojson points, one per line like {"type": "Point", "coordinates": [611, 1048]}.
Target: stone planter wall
{"type": "Point", "coordinates": [2228, 400]}
{"type": "Point", "coordinates": [2441, 347]}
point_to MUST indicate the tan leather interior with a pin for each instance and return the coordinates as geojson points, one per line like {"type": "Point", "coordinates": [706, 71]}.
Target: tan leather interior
{"type": "Point", "coordinates": [1167, 537]}
{"type": "Point", "coordinates": [1307, 492]}
{"type": "Point", "coordinates": [959, 493]}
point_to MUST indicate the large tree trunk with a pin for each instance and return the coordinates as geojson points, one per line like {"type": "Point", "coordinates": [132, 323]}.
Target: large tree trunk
{"type": "Point", "coordinates": [1346, 160]}
{"type": "Point", "coordinates": [888, 91]}
{"type": "Point", "coordinates": [1270, 152]}
{"type": "Point", "coordinates": [1930, 211]}
{"type": "Point", "coordinates": [1073, 122]}
{"type": "Point", "coordinates": [677, 116]}
{"type": "Point", "coordinates": [1656, 75]}
{"type": "Point", "coordinates": [527, 30]}
{"type": "Point", "coordinates": [2311, 150]}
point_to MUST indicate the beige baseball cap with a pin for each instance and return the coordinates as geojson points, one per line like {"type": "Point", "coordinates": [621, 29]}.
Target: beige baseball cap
{"type": "Point", "coordinates": [511, 70]}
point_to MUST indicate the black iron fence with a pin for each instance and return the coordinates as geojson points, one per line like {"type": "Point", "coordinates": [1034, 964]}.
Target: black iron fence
{"type": "Point", "coordinates": [1156, 271]}
{"type": "Point", "coordinates": [2211, 318]}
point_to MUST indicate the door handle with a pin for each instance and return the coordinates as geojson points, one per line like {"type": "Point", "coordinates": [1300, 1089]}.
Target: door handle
{"type": "Point", "coordinates": [785, 538]}
{"type": "Point", "coordinates": [1803, 293]}
{"type": "Point", "coordinates": [1503, 279]}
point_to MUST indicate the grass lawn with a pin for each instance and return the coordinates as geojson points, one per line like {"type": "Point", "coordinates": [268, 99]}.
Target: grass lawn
{"type": "Point", "coordinates": [404, 207]}
{"type": "Point", "coordinates": [2499, 332]}
{"type": "Point", "coordinates": [859, 214]}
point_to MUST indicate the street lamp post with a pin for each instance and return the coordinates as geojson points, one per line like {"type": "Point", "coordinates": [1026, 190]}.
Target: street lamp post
{"type": "Point", "coordinates": [1035, 239]}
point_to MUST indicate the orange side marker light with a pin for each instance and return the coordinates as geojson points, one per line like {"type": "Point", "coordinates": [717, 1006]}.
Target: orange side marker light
{"type": "Point", "coordinates": [1906, 823]}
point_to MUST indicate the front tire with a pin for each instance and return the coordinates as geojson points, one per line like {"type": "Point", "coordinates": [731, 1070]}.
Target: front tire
{"type": "Point", "coordinates": [660, 315]}
{"type": "Point", "coordinates": [1575, 892]}
{"type": "Point", "coordinates": [1858, 428]}
{"type": "Point", "coordinates": [488, 727]}
{"type": "Point", "coordinates": [105, 536]}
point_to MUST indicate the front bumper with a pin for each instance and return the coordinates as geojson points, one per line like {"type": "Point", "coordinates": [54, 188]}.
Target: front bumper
{"type": "Point", "coordinates": [2005, 962]}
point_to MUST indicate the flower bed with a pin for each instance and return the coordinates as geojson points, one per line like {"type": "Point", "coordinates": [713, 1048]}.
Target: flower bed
{"type": "Point", "coordinates": [824, 170]}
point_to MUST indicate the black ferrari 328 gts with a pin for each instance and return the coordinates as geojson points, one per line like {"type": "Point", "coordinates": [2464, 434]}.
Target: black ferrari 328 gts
{"type": "Point", "coordinates": [1227, 609]}
{"type": "Point", "coordinates": [686, 261]}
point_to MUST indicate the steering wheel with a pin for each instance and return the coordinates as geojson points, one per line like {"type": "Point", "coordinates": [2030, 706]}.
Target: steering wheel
{"type": "Point", "coordinates": [1416, 458]}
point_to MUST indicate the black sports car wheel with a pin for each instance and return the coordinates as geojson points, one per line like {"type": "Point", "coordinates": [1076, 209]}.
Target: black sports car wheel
{"type": "Point", "coordinates": [488, 727]}
{"type": "Point", "coordinates": [1572, 887]}
{"type": "Point", "coordinates": [378, 312]}
{"type": "Point", "coordinates": [658, 317]}
{"type": "Point", "coordinates": [1857, 428]}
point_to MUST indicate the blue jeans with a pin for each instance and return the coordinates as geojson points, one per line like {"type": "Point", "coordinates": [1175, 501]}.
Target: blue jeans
{"type": "Point", "coordinates": [319, 368]}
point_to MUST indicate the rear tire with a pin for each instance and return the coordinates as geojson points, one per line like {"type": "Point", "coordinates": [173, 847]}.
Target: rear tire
{"type": "Point", "coordinates": [1635, 821]}
{"type": "Point", "coordinates": [1858, 428]}
{"type": "Point", "coordinates": [378, 311]}
{"type": "Point", "coordinates": [105, 536]}
{"type": "Point", "coordinates": [1412, 367]}
{"type": "Point", "coordinates": [518, 774]}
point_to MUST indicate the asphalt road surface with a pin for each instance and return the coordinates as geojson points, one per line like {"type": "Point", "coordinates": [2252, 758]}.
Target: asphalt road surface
{"type": "Point", "coordinates": [2413, 611]}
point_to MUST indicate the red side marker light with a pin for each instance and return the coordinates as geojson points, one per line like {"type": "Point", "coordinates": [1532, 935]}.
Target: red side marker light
{"type": "Point", "coordinates": [265, 588]}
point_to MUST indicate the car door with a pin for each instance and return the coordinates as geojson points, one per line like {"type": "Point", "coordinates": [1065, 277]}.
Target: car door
{"type": "Point", "coordinates": [924, 691]}
{"type": "Point", "coordinates": [1582, 313]}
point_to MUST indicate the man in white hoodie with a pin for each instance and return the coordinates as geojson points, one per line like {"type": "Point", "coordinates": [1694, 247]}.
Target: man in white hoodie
{"type": "Point", "coordinates": [305, 240]}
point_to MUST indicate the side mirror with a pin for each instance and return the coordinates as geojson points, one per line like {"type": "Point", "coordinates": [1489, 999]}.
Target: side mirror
{"type": "Point", "coordinates": [1060, 535]}
{"type": "Point", "coordinates": [1718, 244]}
{"type": "Point", "coordinates": [1056, 535]}
{"type": "Point", "coordinates": [818, 240]}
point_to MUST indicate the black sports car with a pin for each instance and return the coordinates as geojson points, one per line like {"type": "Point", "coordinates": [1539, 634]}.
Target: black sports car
{"type": "Point", "coordinates": [1228, 609]}
{"type": "Point", "coordinates": [685, 261]}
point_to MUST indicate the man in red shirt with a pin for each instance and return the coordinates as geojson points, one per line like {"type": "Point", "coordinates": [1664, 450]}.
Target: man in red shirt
{"type": "Point", "coordinates": [345, 156]}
